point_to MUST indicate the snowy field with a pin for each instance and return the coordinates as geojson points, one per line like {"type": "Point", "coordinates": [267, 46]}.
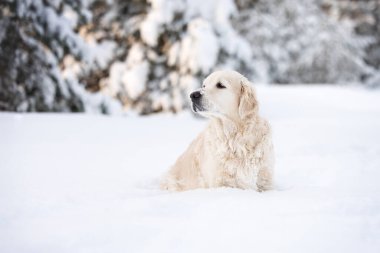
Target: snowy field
{"type": "Point", "coordinates": [80, 183]}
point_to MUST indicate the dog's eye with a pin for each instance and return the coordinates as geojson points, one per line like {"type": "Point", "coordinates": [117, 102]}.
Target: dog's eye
{"type": "Point", "coordinates": [220, 86]}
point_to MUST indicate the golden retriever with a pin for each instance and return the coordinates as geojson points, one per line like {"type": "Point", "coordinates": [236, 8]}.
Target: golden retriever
{"type": "Point", "coordinates": [235, 150]}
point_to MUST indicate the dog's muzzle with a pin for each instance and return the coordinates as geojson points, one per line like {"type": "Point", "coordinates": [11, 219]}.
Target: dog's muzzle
{"type": "Point", "coordinates": [196, 99]}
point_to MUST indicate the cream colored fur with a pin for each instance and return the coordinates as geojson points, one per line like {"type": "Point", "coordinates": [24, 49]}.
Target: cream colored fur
{"type": "Point", "coordinates": [235, 149]}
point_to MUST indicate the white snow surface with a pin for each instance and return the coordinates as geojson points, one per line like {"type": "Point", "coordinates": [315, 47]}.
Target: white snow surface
{"type": "Point", "coordinates": [86, 183]}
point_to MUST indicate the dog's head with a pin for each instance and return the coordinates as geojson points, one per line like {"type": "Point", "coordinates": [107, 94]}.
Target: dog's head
{"type": "Point", "coordinates": [225, 94]}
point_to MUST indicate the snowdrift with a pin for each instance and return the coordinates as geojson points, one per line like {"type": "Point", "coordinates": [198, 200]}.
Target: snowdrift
{"type": "Point", "coordinates": [81, 183]}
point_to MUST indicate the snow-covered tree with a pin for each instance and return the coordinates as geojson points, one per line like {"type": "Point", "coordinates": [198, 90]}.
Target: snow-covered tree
{"type": "Point", "coordinates": [296, 42]}
{"type": "Point", "coordinates": [83, 55]}
{"type": "Point", "coordinates": [35, 37]}
{"type": "Point", "coordinates": [364, 17]}
{"type": "Point", "coordinates": [166, 47]}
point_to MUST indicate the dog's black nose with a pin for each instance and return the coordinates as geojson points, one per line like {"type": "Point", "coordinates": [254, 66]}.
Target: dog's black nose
{"type": "Point", "coordinates": [195, 95]}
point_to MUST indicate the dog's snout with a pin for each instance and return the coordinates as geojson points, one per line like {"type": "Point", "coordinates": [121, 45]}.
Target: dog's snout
{"type": "Point", "coordinates": [195, 95]}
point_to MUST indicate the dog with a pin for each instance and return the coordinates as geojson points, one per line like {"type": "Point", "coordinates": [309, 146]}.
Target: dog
{"type": "Point", "coordinates": [235, 150]}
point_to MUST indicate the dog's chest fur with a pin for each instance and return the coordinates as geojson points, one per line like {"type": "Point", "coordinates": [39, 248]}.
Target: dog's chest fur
{"type": "Point", "coordinates": [231, 158]}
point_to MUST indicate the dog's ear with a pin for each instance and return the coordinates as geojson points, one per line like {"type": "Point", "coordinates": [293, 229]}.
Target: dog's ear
{"type": "Point", "coordinates": [248, 105]}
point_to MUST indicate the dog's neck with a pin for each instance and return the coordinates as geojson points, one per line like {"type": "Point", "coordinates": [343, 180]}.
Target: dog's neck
{"type": "Point", "coordinates": [232, 128]}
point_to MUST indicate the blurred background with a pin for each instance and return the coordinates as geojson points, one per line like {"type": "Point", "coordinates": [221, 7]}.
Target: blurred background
{"type": "Point", "coordinates": [144, 56]}
{"type": "Point", "coordinates": [88, 183]}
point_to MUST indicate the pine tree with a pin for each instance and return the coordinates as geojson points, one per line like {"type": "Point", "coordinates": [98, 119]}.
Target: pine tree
{"type": "Point", "coordinates": [165, 48]}
{"type": "Point", "coordinates": [35, 36]}
{"type": "Point", "coordinates": [76, 55]}
{"type": "Point", "coordinates": [296, 42]}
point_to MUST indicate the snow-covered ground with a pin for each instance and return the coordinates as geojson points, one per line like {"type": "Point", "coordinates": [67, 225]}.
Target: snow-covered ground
{"type": "Point", "coordinates": [81, 183]}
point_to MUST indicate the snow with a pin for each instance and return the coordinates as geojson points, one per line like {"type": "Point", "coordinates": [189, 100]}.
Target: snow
{"type": "Point", "coordinates": [301, 44]}
{"type": "Point", "coordinates": [101, 53]}
{"type": "Point", "coordinates": [95, 102]}
{"type": "Point", "coordinates": [131, 74]}
{"type": "Point", "coordinates": [61, 28]}
{"type": "Point", "coordinates": [82, 183]}
{"type": "Point", "coordinates": [162, 13]}
{"type": "Point", "coordinates": [209, 33]}
{"type": "Point", "coordinates": [134, 79]}
{"type": "Point", "coordinates": [200, 48]}
{"type": "Point", "coordinates": [186, 39]}
{"type": "Point", "coordinates": [115, 79]}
